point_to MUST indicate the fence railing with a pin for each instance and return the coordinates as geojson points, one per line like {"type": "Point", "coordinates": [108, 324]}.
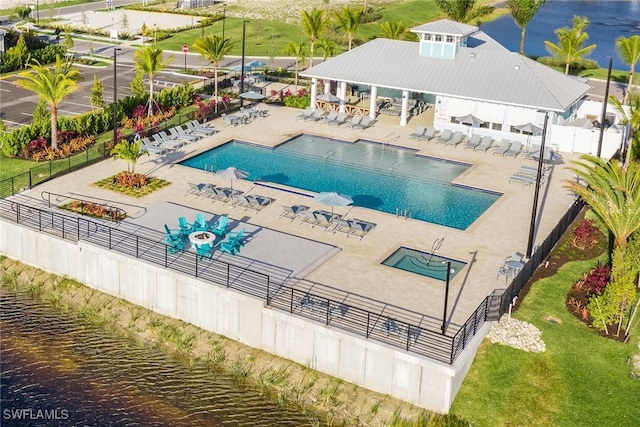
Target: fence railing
{"type": "Point", "coordinates": [539, 255]}
{"type": "Point", "coordinates": [375, 320]}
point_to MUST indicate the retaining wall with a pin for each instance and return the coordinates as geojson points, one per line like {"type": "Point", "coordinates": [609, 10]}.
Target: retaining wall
{"type": "Point", "coordinates": [420, 381]}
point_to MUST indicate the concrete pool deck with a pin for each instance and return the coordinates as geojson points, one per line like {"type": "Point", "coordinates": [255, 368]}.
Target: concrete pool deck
{"type": "Point", "coordinates": [502, 230]}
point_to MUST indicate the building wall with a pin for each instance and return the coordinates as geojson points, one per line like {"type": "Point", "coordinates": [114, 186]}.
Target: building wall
{"type": "Point", "coordinates": [384, 369]}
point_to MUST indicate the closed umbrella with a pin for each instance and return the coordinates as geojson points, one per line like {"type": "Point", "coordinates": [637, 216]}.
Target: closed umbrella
{"type": "Point", "coordinates": [333, 199]}
{"type": "Point", "coordinates": [232, 174]}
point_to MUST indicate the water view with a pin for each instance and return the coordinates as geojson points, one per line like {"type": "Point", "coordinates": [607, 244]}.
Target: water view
{"type": "Point", "coordinates": [609, 20]}
{"type": "Point", "coordinates": [56, 372]}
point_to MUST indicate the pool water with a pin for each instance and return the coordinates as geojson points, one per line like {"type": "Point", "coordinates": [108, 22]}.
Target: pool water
{"type": "Point", "coordinates": [376, 176]}
{"type": "Point", "coordinates": [424, 263]}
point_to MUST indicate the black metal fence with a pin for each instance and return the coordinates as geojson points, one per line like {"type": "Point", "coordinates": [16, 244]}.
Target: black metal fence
{"type": "Point", "coordinates": [539, 255]}
{"type": "Point", "coordinates": [401, 328]}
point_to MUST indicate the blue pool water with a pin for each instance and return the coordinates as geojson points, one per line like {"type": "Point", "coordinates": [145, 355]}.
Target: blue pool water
{"type": "Point", "coordinates": [375, 176]}
{"type": "Point", "coordinates": [424, 263]}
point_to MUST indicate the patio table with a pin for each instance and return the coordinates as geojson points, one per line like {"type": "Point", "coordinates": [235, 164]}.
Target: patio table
{"type": "Point", "coordinates": [201, 237]}
{"type": "Point", "coordinates": [234, 120]}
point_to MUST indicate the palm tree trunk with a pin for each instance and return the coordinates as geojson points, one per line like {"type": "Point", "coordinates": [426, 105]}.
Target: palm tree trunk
{"type": "Point", "coordinates": [522, 33]}
{"type": "Point", "coordinates": [150, 113]}
{"type": "Point", "coordinates": [215, 84]}
{"type": "Point", "coordinates": [350, 40]}
{"type": "Point", "coordinates": [311, 59]}
{"type": "Point", "coordinates": [629, 84]}
{"type": "Point", "coordinates": [54, 126]}
{"type": "Point", "coordinates": [566, 68]}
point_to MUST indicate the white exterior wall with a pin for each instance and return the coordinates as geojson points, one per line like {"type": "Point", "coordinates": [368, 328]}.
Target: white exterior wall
{"type": "Point", "coordinates": [420, 381]}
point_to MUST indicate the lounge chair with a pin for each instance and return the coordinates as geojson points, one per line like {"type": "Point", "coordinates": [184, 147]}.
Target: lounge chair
{"type": "Point", "coordinates": [231, 245]}
{"type": "Point", "coordinates": [203, 250]}
{"type": "Point", "coordinates": [198, 130]}
{"type": "Point", "coordinates": [324, 219]}
{"type": "Point", "coordinates": [503, 147]}
{"type": "Point", "coordinates": [485, 144]}
{"type": "Point", "coordinates": [169, 145]}
{"type": "Point", "coordinates": [329, 117]}
{"type": "Point", "coordinates": [364, 123]}
{"type": "Point", "coordinates": [524, 180]}
{"type": "Point", "coordinates": [308, 217]}
{"type": "Point", "coordinates": [182, 136]}
{"type": "Point", "coordinates": [455, 139]}
{"type": "Point", "coordinates": [308, 112]}
{"type": "Point", "coordinates": [201, 223]}
{"type": "Point", "coordinates": [147, 145]}
{"type": "Point", "coordinates": [360, 228]}
{"type": "Point", "coordinates": [292, 212]}
{"type": "Point", "coordinates": [258, 202]}
{"type": "Point", "coordinates": [318, 114]}
{"type": "Point", "coordinates": [174, 240]}
{"type": "Point", "coordinates": [219, 228]}
{"type": "Point", "coordinates": [206, 127]}
{"type": "Point", "coordinates": [428, 135]}
{"type": "Point", "coordinates": [223, 195]}
{"type": "Point", "coordinates": [340, 120]}
{"type": "Point", "coordinates": [514, 150]}
{"type": "Point", "coordinates": [418, 132]}
{"type": "Point", "coordinates": [533, 152]}
{"type": "Point", "coordinates": [185, 227]}
{"type": "Point", "coordinates": [444, 137]}
{"type": "Point", "coordinates": [183, 132]}
{"type": "Point", "coordinates": [195, 189]}
{"type": "Point", "coordinates": [473, 142]}
{"type": "Point", "coordinates": [354, 121]}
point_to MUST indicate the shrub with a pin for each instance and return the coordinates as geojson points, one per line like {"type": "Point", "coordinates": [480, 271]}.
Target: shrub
{"type": "Point", "coordinates": [585, 236]}
{"type": "Point", "coordinates": [204, 109]}
{"type": "Point", "coordinates": [597, 279]}
{"type": "Point", "coordinates": [299, 100]}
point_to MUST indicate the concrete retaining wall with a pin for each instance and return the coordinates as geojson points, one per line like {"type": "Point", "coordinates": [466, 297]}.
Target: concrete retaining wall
{"type": "Point", "coordinates": [423, 382]}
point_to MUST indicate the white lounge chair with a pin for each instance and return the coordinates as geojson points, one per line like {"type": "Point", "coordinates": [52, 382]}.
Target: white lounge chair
{"type": "Point", "coordinates": [455, 139]}
{"type": "Point", "coordinates": [503, 147]}
{"type": "Point", "coordinates": [418, 132]}
{"type": "Point", "coordinates": [428, 135]}
{"type": "Point", "coordinates": [444, 137]}
{"type": "Point", "coordinates": [473, 142]}
{"type": "Point", "coordinates": [341, 119]}
{"type": "Point", "coordinates": [514, 150]}
{"type": "Point", "coordinates": [364, 123]}
{"type": "Point", "coordinates": [485, 144]}
{"type": "Point", "coordinates": [354, 121]}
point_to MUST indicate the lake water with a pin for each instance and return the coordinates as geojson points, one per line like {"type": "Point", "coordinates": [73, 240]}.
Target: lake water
{"type": "Point", "coordinates": [609, 20]}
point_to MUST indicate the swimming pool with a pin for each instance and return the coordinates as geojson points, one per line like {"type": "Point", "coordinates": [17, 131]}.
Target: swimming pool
{"type": "Point", "coordinates": [376, 176]}
{"type": "Point", "coordinates": [424, 263]}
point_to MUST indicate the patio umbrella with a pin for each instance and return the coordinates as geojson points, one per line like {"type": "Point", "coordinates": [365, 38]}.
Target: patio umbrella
{"type": "Point", "coordinates": [328, 97]}
{"type": "Point", "coordinates": [256, 64]}
{"type": "Point", "coordinates": [333, 199]}
{"type": "Point", "coordinates": [238, 68]}
{"type": "Point", "coordinates": [469, 120]}
{"type": "Point", "coordinates": [232, 174]}
{"type": "Point", "coordinates": [252, 95]}
{"type": "Point", "coordinates": [529, 128]}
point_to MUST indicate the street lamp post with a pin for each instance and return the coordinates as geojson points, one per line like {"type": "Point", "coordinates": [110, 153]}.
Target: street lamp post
{"type": "Point", "coordinates": [115, 95]}
{"type": "Point", "coordinates": [534, 210]}
{"type": "Point", "coordinates": [604, 107]}
{"type": "Point", "coordinates": [224, 17]}
{"type": "Point", "coordinates": [244, 26]}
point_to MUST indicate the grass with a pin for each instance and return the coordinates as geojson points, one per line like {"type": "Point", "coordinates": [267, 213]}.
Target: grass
{"type": "Point", "coordinates": [44, 6]}
{"type": "Point", "coordinates": [582, 378]}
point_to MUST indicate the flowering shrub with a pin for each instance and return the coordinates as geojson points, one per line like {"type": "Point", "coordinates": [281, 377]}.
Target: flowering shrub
{"type": "Point", "coordinates": [138, 122]}
{"type": "Point", "coordinates": [95, 210]}
{"type": "Point", "coordinates": [204, 109]}
{"type": "Point", "coordinates": [585, 236]}
{"type": "Point", "coordinates": [35, 146]}
{"type": "Point", "coordinates": [64, 150]}
{"type": "Point", "coordinates": [597, 279]}
{"type": "Point", "coordinates": [299, 100]}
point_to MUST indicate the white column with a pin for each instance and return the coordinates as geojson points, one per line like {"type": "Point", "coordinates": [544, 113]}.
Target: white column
{"type": "Point", "coordinates": [403, 113]}
{"type": "Point", "coordinates": [327, 86]}
{"type": "Point", "coordinates": [343, 95]}
{"type": "Point", "coordinates": [372, 102]}
{"type": "Point", "coordinates": [314, 90]}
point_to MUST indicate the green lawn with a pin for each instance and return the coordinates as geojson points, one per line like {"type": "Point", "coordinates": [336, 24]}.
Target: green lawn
{"type": "Point", "coordinates": [581, 380]}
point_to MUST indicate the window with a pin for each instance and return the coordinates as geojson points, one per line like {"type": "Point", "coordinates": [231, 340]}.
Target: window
{"type": "Point", "coordinates": [449, 39]}
{"type": "Point", "coordinates": [485, 125]}
{"type": "Point", "coordinates": [426, 37]}
{"type": "Point", "coordinates": [496, 126]}
{"type": "Point", "coordinates": [438, 37]}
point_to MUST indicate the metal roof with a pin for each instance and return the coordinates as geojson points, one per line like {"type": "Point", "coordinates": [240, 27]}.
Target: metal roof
{"type": "Point", "coordinates": [446, 27]}
{"type": "Point", "coordinates": [483, 73]}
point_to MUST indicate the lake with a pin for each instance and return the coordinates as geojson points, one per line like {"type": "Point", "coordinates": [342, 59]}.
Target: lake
{"type": "Point", "coordinates": [609, 20]}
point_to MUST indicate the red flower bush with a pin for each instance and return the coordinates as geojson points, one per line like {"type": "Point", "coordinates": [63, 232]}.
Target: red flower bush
{"type": "Point", "coordinates": [585, 236]}
{"type": "Point", "coordinates": [597, 279]}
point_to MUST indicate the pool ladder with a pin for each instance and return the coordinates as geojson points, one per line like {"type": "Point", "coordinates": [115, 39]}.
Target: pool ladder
{"type": "Point", "coordinates": [210, 168]}
{"type": "Point", "coordinates": [435, 247]}
{"type": "Point", "coordinates": [329, 154]}
{"type": "Point", "coordinates": [406, 213]}
{"type": "Point", "coordinates": [394, 167]}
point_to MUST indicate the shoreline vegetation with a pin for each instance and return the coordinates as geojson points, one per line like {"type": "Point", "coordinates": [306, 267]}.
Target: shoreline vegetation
{"type": "Point", "coordinates": [324, 398]}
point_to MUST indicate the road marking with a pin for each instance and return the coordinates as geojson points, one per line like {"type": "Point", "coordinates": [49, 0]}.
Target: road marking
{"type": "Point", "coordinates": [27, 114]}
{"type": "Point", "coordinates": [75, 103]}
{"type": "Point", "coordinates": [5, 90]}
{"type": "Point", "coordinates": [73, 113]}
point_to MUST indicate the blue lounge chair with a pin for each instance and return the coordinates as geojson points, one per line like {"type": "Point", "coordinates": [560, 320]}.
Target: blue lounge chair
{"type": "Point", "coordinates": [220, 227]}
{"type": "Point", "coordinates": [201, 223]}
{"type": "Point", "coordinates": [185, 227]}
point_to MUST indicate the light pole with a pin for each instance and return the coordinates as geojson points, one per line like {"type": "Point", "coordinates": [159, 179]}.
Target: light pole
{"type": "Point", "coordinates": [537, 190]}
{"type": "Point", "coordinates": [115, 95]}
{"type": "Point", "coordinates": [244, 26]}
{"type": "Point", "coordinates": [224, 17]}
{"type": "Point", "coordinates": [604, 107]}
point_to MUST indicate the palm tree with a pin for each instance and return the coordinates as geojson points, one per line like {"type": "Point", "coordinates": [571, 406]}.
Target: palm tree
{"type": "Point", "coordinates": [628, 49]}
{"type": "Point", "coordinates": [313, 24]}
{"type": "Point", "coordinates": [213, 48]}
{"type": "Point", "coordinates": [148, 60]}
{"type": "Point", "coordinates": [630, 116]}
{"type": "Point", "coordinates": [328, 46]}
{"type": "Point", "coordinates": [299, 51]}
{"type": "Point", "coordinates": [52, 86]}
{"type": "Point", "coordinates": [613, 194]}
{"type": "Point", "coordinates": [393, 30]}
{"type": "Point", "coordinates": [348, 20]}
{"type": "Point", "coordinates": [130, 152]}
{"type": "Point", "coordinates": [571, 42]}
{"type": "Point", "coordinates": [463, 10]}
{"type": "Point", "coordinates": [523, 11]}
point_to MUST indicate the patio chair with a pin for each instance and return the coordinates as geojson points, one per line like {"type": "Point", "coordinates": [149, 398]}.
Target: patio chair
{"type": "Point", "coordinates": [485, 143]}
{"type": "Point", "coordinates": [169, 145]}
{"type": "Point", "coordinates": [340, 120]}
{"type": "Point", "coordinates": [203, 250]}
{"type": "Point", "coordinates": [307, 217]}
{"type": "Point", "coordinates": [514, 150]}
{"type": "Point", "coordinates": [308, 112]}
{"type": "Point", "coordinates": [219, 228]}
{"type": "Point", "coordinates": [195, 189]}
{"type": "Point", "coordinates": [172, 235]}
{"type": "Point", "coordinates": [203, 126]}
{"type": "Point", "coordinates": [503, 147]}
{"type": "Point", "coordinates": [233, 242]}
{"type": "Point", "coordinates": [329, 117]}
{"type": "Point", "coordinates": [324, 219]}
{"type": "Point", "coordinates": [533, 152]}
{"type": "Point", "coordinates": [147, 145]}
{"type": "Point", "coordinates": [444, 137]}
{"type": "Point", "coordinates": [354, 121]}
{"type": "Point", "coordinates": [418, 132]}
{"type": "Point", "coordinates": [208, 191]}
{"type": "Point", "coordinates": [455, 139]}
{"type": "Point", "coordinates": [524, 180]}
{"type": "Point", "coordinates": [428, 134]}
{"type": "Point", "coordinates": [183, 132]}
{"type": "Point", "coordinates": [473, 142]}
{"type": "Point", "coordinates": [201, 223]}
{"type": "Point", "coordinates": [198, 130]}
{"type": "Point", "coordinates": [257, 202]}
{"type": "Point", "coordinates": [341, 226]}
{"type": "Point", "coordinates": [181, 136]}
{"type": "Point", "coordinates": [506, 272]}
{"type": "Point", "coordinates": [292, 212]}
{"type": "Point", "coordinates": [360, 228]}
{"type": "Point", "coordinates": [364, 123]}
{"type": "Point", "coordinates": [318, 114]}
{"type": "Point", "coordinates": [174, 242]}
{"type": "Point", "coordinates": [185, 227]}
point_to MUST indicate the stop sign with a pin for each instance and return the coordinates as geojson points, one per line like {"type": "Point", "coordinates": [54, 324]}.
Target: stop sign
{"type": "Point", "coordinates": [185, 48]}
